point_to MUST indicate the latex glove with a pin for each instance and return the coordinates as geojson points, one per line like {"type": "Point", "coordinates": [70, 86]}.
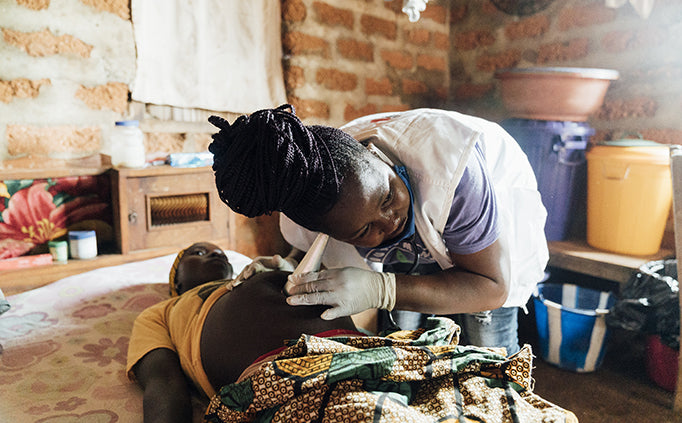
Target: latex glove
{"type": "Point", "coordinates": [266, 264]}
{"type": "Point", "coordinates": [348, 291]}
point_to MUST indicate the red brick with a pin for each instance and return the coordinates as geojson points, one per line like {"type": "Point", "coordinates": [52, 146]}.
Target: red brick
{"type": "Point", "coordinates": [458, 13]}
{"type": "Point", "coordinates": [294, 77]}
{"type": "Point", "coordinates": [420, 37]}
{"type": "Point", "coordinates": [493, 62]}
{"type": "Point", "coordinates": [560, 52]}
{"type": "Point", "coordinates": [111, 96]}
{"type": "Point", "coordinates": [394, 108]}
{"type": "Point", "coordinates": [333, 16]}
{"type": "Point", "coordinates": [615, 109]}
{"type": "Point", "coordinates": [663, 135]}
{"type": "Point", "coordinates": [441, 41]}
{"type": "Point", "coordinates": [395, 6]}
{"type": "Point", "coordinates": [531, 27]}
{"type": "Point", "coordinates": [117, 7]}
{"type": "Point", "coordinates": [488, 8]}
{"type": "Point", "coordinates": [471, 40]}
{"type": "Point", "coordinates": [434, 12]}
{"type": "Point", "coordinates": [167, 142]}
{"type": "Point", "coordinates": [411, 86]}
{"type": "Point", "coordinates": [470, 91]}
{"type": "Point", "coordinates": [309, 108]}
{"type": "Point", "coordinates": [397, 59]}
{"type": "Point", "coordinates": [334, 79]}
{"type": "Point", "coordinates": [620, 41]}
{"type": "Point", "coordinates": [354, 49]}
{"type": "Point", "coordinates": [595, 13]}
{"type": "Point", "coordinates": [45, 43]}
{"type": "Point", "coordinates": [21, 88]}
{"type": "Point", "coordinates": [22, 140]}
{"type": "Point", "coordinates": [381, 86]}
{"type": "Point", "coordinates": [299, 43]}
{"type": "Point", "coordinates": [351, 112]}
{"type": "Point", "coordinates": [430, 62]}
{"type": "Point", "coordinates": [371, 25]}
{"type": "Point", "coordinates": [34, 4]}
{"type": "Point", "coordinates": [293, 11]}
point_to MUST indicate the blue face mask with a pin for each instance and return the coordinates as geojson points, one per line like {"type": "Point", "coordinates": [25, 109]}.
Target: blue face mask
{"type": "Point", "coordinates": [409, 226]}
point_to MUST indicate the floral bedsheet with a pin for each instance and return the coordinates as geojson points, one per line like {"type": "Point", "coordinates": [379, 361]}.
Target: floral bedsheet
{"type": "Point", "coordinates": [65, 345]}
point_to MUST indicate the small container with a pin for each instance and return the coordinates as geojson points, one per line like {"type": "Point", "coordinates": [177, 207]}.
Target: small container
{"type": "Point", "coordinates": [82, 244]}
{"type": "Point", "coordinates": [127, 145]}
{"type": "Point", "coordinates": [59, 251]}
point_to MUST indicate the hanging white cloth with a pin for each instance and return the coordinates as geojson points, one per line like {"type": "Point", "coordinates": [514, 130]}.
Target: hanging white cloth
{"type": "Point", "coordinates": [642, 7]}
{"type": "Point", "coordinates": [221, 55]}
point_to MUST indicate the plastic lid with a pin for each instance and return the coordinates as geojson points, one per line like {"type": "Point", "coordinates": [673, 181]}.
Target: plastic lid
{"type": "Point", "coordinates": [595, 73]}
{"type": "Point", "coordinates": [127, 123]}
{"type": "Point", "coordinates": [658, 154]}
{"type": "Point", "coordinates": [81, 234]}
{"type": "Point", "coordinates": [631, 142]}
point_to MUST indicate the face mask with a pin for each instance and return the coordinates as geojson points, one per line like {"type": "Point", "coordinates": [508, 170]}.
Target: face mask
{"type": "Point", "coordinates": [409, 226]}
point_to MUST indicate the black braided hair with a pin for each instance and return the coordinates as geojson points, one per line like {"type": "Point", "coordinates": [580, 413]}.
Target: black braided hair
{"type": "Point", "coordinates": [270, 161]}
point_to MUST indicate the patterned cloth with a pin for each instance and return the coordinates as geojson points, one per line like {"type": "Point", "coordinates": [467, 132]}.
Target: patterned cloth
{"type": "Point", "coordinates": [407, 376]}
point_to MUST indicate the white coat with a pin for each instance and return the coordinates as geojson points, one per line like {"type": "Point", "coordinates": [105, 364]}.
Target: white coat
{"type": "Point", "coordinates": [434, 146]}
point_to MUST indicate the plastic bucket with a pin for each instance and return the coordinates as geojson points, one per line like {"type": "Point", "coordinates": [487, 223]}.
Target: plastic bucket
{"type": "Point", "coordinates": [572, 330]}
{"type": "Point", "coordinates": [661, 363]}
{"type": "Point", "coordinates": [556, 152]}
{"type": "Point", "coordinates": [629, 194]}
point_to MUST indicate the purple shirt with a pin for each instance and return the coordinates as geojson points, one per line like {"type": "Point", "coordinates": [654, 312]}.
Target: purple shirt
{"type": "Point", "coordinates": [471, 226]}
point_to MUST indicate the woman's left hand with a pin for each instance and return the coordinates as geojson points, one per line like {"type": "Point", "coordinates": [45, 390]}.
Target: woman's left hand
{"type": "Point", "coordinates": [348, 291]}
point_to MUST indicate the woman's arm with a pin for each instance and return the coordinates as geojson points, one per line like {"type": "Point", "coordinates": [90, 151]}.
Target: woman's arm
{"type": "Point", "coordinates": [478, 282]}
{"type": "Point", "coordinates": [167, 395]}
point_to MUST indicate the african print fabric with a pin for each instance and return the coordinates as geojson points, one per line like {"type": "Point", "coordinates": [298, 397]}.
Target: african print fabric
{"type": "Point", "coordinates": [406, 376]}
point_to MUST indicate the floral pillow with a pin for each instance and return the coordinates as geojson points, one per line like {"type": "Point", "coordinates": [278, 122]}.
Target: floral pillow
{"type": "Point", "coordinates": [35, 211]}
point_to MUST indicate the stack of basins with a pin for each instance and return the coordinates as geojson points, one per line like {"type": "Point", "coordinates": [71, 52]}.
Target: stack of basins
{"type": "Point", "coordinates": [549, 108]}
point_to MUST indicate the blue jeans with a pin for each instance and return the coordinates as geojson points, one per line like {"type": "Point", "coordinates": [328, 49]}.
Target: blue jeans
{"type": "Point", "coordinates": [495, 328]}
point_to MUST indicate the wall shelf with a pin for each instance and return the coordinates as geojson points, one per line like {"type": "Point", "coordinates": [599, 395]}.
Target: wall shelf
{"type": "Point", "coordinates": [577, 256]}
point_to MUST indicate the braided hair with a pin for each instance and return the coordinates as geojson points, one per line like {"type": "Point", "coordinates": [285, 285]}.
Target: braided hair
{"type": "Point", "coordinates": [270, 161]}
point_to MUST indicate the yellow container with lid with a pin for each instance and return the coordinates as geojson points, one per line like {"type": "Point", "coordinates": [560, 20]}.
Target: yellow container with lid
{"type": "Point", "coordinates": [629, 196]}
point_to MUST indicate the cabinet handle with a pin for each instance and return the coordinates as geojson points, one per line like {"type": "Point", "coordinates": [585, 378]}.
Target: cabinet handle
{"type": "Point", "coordinates": [132, 217]}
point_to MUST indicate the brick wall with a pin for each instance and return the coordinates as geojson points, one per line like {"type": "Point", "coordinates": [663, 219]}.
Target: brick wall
{"type": "Point", "coordinates": [67, 68]}
{"type": "Point", "coordinates": [581, 33]}
{"type": "Point", "coordinates": [344, 59]}
{"type": "Point", "coordinates": [65, 73]}
{"type": "Point", "coordinates": [645, 100]}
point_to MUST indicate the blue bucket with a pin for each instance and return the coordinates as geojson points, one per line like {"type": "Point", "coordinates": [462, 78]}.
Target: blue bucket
{"type": "Point", "coordinates": [571, 324]}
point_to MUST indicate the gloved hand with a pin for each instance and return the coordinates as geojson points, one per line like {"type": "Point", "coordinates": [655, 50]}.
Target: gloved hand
{"type": "Point", "coordinates": [266, 264]}
{"type": "Point", "coordinates": [349, 290]}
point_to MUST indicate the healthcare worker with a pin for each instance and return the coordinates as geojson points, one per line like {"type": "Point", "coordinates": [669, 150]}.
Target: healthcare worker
{"type": "Point", "coordinates": [428, 211]}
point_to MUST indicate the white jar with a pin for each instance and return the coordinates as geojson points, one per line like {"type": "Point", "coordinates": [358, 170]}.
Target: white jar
{"type": "Point", "coordinates": [82, 244]}
{"type": "Point", "coordinates": [127, 144]}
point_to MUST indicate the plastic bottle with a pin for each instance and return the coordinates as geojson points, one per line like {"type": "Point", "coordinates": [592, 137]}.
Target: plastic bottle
{"type": "Point", "coordinates": [83, 244]}
{"type": "Point", "coordinates": [127, 144]}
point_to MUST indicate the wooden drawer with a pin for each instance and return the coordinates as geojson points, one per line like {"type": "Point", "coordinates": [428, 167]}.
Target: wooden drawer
{"type": "Point", "coordinates": [166, 206]}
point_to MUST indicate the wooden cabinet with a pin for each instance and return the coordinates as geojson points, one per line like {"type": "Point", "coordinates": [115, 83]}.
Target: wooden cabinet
{"type": "Point", "coordinates": [156, 211]}
{"type": "Point", "coordinates": [165, 206]}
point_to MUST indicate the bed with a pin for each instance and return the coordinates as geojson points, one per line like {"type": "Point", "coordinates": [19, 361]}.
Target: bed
{"type": "Point", "coordinates": [64, 345]}
{"type": "Point", "coordinates": [65, 348]}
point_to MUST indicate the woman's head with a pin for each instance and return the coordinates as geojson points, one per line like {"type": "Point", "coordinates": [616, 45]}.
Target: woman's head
{"type": "Point", "coordinates": [318, 176]}
{"type": "Point", "coordinates": [270, 161]}
{"type": "Point", "coordinates": [197, 264]}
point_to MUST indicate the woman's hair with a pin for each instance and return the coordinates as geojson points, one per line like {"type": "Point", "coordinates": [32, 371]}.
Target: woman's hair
{"type": "Point", "coordinates": [270, 161]}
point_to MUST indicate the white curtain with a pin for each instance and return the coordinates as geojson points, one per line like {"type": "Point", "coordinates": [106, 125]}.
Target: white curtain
{"type": "Point", "coordinates": [221, 55]}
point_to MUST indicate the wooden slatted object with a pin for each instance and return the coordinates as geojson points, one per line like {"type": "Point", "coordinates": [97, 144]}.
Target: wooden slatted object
{"type": "Point", "coordinates": [676, 172]}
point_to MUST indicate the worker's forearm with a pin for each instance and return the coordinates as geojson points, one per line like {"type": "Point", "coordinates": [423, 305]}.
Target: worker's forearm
{"type": "Point", "coordinates": [451, 291]}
